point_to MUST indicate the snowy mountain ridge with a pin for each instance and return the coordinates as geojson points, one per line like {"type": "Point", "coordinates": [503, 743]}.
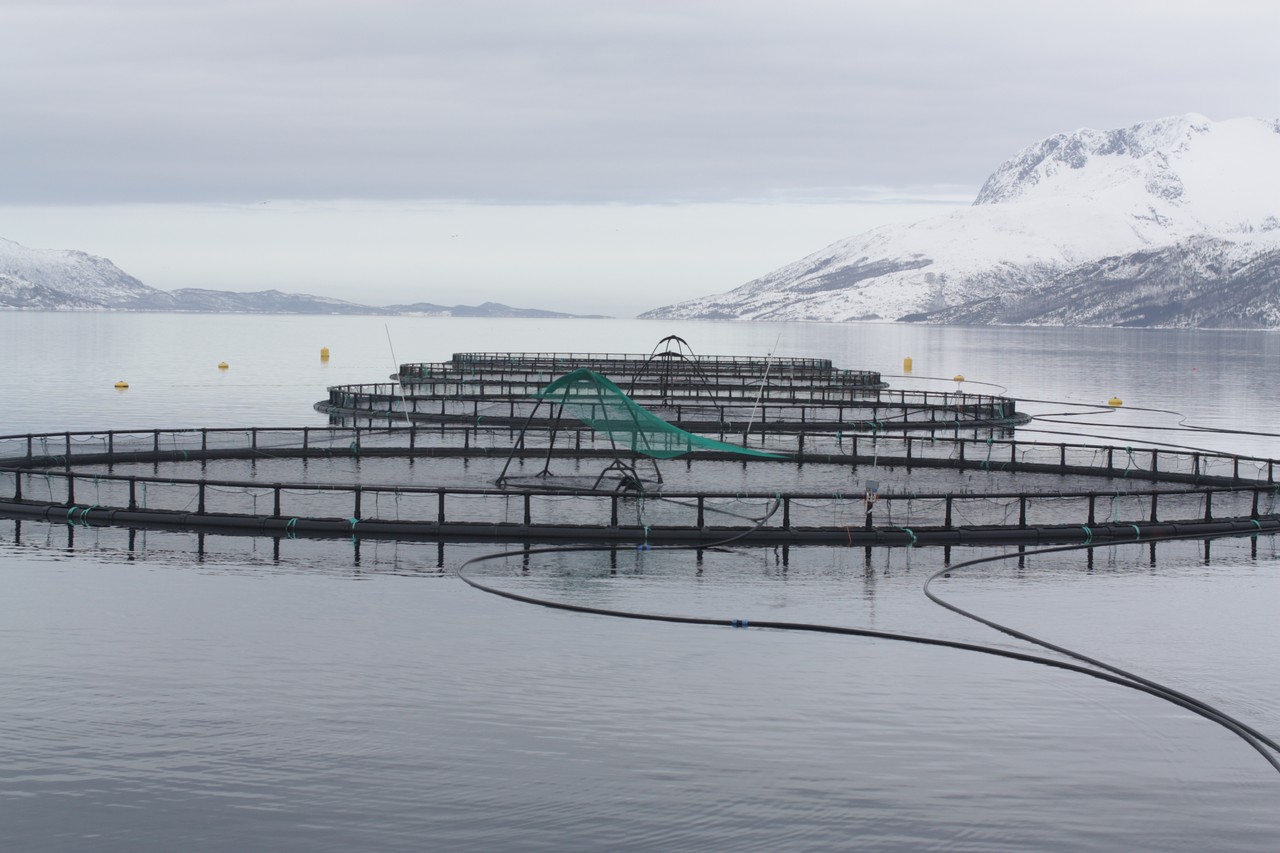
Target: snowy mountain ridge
{"type": "Point", "coordinates": [82, 277]}
{"type": "Point", "coordinates": [1134, 223]}
{"type": "Point", "coordinates": [65, 280]}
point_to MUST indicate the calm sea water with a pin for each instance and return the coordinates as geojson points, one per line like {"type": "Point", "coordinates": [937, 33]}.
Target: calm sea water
{"type": "Point", "coordinates": [217, 693]}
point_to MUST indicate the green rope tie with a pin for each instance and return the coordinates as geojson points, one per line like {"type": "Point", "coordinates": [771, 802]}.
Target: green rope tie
{"type": "Point", "coordinates": [911, 533]}
{"type": "Point", "coordinates": [1137, 534]}
{"type": "Point", "coordinates": [1088, 534]}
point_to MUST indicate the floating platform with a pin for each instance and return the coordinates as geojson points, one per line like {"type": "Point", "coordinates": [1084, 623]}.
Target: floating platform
{"type": "Point", "coordinates": [710, 395]}
{"type": "Point", "coordinates": [437, 483]}
{"type": "Point", "coordinates": [505, 446]}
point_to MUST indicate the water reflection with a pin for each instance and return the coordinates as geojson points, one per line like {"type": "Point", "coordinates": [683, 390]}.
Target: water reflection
{"type": "Point", "coordinates": [228, 690]}
{"type": "Point", "coordinates": [805, 581]}
{"type": "Point", "coordinates": [165, 690]}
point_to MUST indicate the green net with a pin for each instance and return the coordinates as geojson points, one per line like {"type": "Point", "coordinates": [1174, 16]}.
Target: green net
{"type": "Point", "coordinates": [603, 406]}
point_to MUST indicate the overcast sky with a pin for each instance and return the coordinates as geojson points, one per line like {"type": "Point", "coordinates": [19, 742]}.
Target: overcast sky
{"type": "Point", "coordinates": [607, 156]}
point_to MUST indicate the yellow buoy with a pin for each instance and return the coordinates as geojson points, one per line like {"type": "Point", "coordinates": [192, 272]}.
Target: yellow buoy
{"type": "Point", "coordinates": [959, 377]}
{"type": "Point", "coordinates": [1115, 401]}
{"type": "Point", "coordinates": [222, 365]}
{"type": "Point", "coordinates": [122, 385]}
{"type": "Point", "coordinates": [906, 364]}
{"type": "Point", "coordinates": [324, 353]}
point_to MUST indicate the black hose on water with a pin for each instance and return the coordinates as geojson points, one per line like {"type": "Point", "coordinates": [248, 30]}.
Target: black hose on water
{"type": "Point", "coordinates": [1260, 742]}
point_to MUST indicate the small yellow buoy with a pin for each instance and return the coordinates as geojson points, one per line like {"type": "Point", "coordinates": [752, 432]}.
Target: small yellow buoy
{"type": "Point", "coordinates": [1115, 401]}
{"type": "Point", "coordinates": [959, 377]}
{"type": "Point", "coordinates": [906, 364]}
{"type": "Point", "coordinates": [122, 385]}
{"type": "Point", "coordinates": [222, 365]}
{"type": "Point", "coordinates": [324, 353]}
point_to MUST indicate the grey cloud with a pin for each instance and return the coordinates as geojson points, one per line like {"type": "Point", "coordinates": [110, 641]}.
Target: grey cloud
{"type": "Point", "coordinates": [516, 102]}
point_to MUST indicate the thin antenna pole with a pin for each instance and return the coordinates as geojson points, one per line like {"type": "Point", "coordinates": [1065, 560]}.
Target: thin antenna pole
{"type": "Point", "coordinates": [768, 363]}
{"type": "Point", "coordinates": [396, 363]}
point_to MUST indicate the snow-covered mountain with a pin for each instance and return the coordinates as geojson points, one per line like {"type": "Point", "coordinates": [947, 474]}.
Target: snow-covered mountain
{"type": "Point", "coordinates": [1174, 222]}
{"type": "Point", "coordinates": [485, 309]}
{"type": "Point", "coordinates": [62, 280]}
{"type": "Point", "coordinates": [59, 280]}
{"type": "Point", "coordinates": [43, 278]}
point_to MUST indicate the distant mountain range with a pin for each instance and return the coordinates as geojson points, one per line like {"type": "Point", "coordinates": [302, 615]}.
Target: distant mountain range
{"type": "Point", "coordinates": [1173, 223]}
{"type": "Point", "coordinates": [58, 280]}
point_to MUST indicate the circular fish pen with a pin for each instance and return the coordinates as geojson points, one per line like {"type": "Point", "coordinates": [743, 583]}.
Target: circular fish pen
{"type": "Point", "coordinates": [675, 449]}
{"type": "Point", "coordinates": [616, 484]}
{"type": "Point", "coordinates": [714, 395]}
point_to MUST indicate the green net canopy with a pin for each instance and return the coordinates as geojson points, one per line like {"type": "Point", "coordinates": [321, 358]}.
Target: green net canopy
{"type": "Point", "coordinates": [603, 406]}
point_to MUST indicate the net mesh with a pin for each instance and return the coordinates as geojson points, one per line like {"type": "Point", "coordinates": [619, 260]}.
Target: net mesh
{"type": "Point", "coordinates": [603, 406]}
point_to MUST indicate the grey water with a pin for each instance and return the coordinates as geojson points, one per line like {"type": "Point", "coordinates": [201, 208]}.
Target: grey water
{"type": "Point", "coordinates": [164, 691]}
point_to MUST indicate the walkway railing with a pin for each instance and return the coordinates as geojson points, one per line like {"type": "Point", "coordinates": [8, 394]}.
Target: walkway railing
{"type": "Point", "coordinates": [819, 407]}
{"type": "Point", "coordinates": [38, 477]}
{"type": "Point", "coordinates": [65, 449]}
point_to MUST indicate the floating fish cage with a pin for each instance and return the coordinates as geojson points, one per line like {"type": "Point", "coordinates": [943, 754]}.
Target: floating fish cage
{"type": "Point", "coordinates": [719, 395]}
{"type": "Point", "coordinates": [665, 448]}
{"type": "Point", "coordinates": [672, 362]}
{"type": "Point", "coordinates": [871, 571]}
{"type": "Point", "coordinates": [440, 482]}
